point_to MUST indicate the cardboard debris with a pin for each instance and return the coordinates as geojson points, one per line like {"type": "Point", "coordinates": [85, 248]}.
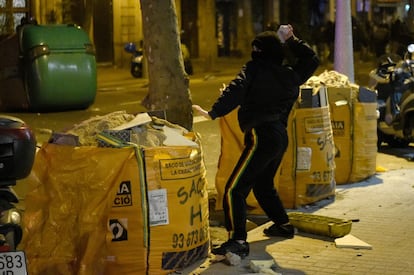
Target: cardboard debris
{"type": "Point", "coordinates": [175, 138]}
{"type": "Point", "coordinates": [350, 241]}
{"type": "Point", "coordinates": [138, 120]}
{"type": "Point", "coordinates": [233, 259]}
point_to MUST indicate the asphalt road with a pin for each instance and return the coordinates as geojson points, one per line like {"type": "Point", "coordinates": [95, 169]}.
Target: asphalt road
{"type": "Point", "coordinates": [118, 90]}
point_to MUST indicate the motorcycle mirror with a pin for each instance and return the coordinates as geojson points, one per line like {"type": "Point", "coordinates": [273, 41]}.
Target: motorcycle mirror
{"type": "Point", "coordinates": [410, 48]}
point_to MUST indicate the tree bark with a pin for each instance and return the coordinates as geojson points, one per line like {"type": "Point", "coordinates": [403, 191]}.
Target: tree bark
{"type": "Point", "coordinates": [168, 83]}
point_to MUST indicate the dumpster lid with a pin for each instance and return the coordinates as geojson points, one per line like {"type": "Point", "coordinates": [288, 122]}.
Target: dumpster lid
{"type": "Point", "coordinates": [56, 37]}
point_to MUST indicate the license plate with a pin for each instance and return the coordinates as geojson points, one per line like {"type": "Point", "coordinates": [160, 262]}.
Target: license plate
{"type": "Point", "coordinates": [13, 263]}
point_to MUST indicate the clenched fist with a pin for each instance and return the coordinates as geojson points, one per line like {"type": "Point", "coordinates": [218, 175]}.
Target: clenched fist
{"type": "Point", "coordinates": [285, 32]}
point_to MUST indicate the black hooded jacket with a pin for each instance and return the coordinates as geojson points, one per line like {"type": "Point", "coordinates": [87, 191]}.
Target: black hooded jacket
{"type": "Point", "coordinates": [265, 90]}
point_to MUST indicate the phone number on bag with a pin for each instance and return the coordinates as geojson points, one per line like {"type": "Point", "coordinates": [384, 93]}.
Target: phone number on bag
{"type": "Point", "coordinates": [182, 240]}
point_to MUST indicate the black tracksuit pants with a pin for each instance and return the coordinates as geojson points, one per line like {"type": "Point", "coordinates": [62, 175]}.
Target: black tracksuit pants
{"type": "Point", "coordinates": [264, 148]}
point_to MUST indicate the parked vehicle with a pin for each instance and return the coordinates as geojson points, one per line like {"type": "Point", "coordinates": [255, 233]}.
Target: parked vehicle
{"type": "Point", "coordinates": [17, 153]}
{"type": "Point", "coordinates": [137, 59]}
{"type": "Point", "coordinates": [393, 80]}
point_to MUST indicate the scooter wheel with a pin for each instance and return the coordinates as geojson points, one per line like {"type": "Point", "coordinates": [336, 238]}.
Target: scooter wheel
{"type": "Point", "coordinates": [136, 70]}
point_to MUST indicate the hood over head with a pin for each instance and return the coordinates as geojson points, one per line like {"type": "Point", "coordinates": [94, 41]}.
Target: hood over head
{"type": "Point", "coordinates": [267, 46]}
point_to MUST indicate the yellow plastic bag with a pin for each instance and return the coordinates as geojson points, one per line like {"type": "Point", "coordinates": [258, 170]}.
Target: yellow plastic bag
{"type": "Point", "coordinates": [232, 143]}
{"type": "Point", "coordinates": [178, 199]}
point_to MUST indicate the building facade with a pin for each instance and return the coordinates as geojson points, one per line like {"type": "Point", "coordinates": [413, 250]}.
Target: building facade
{"type": "Point", "coordinates": [225, 25]}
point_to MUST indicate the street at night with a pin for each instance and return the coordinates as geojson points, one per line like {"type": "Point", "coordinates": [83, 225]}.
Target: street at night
{"type": "Point", "coordinates": [381, 204]}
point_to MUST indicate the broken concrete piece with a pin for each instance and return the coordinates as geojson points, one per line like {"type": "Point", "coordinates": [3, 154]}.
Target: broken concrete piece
{"type": "Point", "coordinates": [229, 258]}
{"type": "Point", "coordinates": [138, 120]}
{"type": "Point", "coordinates": [350, 241]}
{"type": "Point", "coordinates": [233, 259]}
{"type": "Point", "coordinates": [262, 266]}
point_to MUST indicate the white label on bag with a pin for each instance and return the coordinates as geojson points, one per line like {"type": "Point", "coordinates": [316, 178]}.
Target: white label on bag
{"type": "Point", "coordinates": [158, 207]}
{"type": "Point", "coordinates": [304, 158]}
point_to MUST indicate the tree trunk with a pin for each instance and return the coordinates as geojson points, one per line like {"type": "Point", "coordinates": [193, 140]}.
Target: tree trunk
{"type": "Point", "coordinates": [168, 83]}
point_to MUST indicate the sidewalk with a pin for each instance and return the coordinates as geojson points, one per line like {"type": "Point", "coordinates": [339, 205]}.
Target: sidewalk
{"type": "Point", "coordinates": [382, 204]}
{"type": "Point", "coordinates": [385, 222]}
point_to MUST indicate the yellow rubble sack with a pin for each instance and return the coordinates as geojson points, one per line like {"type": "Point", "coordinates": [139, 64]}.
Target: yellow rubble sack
{"type": "Point", "coordinates": [66, 215]}
{"type": "Point", "coordinates": [178, 207]}
{"type": "Point", "coordinates": [127, 236]}
{"type": "Point", "coordinates": [92, 210]}
{"type": "Point", "coordinates": [354, 126]}
{"type": "Point", "coordinates": [232, 144]}
{"type": "Point", "coordinates": [364, 160]}
{"type": "Point", "coordinates": [314, 165]}
{"type": "Point", "coordinates": [306, 173]}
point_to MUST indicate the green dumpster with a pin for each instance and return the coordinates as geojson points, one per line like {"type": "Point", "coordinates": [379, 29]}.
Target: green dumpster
{"type": "Point", "coordinates": [59, 67]}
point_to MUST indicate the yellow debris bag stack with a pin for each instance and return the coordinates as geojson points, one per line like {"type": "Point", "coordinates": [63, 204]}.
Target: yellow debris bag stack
{"type": "Point", "coordinates": [307, 169]}
{"type": "Point", "coordinates": [95, 209]}
{"type": "Point", "coordinates": [354, 123]}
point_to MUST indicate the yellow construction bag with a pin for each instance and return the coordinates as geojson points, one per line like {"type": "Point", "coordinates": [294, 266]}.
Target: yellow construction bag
{"type": "Point", "coordinates": [306, 173]}
{"type": "Point", "coordinates": [178, 201]}
{"type": "Point", "coordinates": [354, 126]}
{"type": "Point", "coordinates": [70, 193]}
{"type": "Point", "coordinates": [93, 210]}
{"type": "Point", "coordinates": [232, 143]}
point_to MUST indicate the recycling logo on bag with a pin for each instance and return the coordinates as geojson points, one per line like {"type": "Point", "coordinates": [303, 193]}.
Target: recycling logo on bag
{"type": "Point", "coordinates": [123, 195]}
{"type": "Point", "coordinates": [119, 227]}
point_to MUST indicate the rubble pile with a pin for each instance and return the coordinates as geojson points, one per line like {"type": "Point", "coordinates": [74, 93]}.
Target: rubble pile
{"type": "Point", "coordinates": [140, 129]}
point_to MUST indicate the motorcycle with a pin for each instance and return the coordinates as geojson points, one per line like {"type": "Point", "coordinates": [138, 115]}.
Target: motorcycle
{"type": "Point", "coordinates": [137, 59]}
{"type": "Point", "coordinates": [17, 153]}
{"type": "Point", "coordinates": [393, 80]}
